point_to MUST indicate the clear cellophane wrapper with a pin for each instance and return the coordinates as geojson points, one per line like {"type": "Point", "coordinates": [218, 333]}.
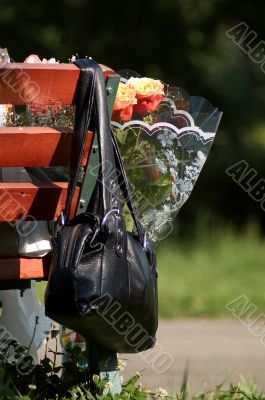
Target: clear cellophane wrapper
{"type": "Point", "coordinates": [164, 152]}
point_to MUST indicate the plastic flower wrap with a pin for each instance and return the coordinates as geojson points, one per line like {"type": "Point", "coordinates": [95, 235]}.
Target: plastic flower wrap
{"type": "Point", "coordinates": [165, 136]}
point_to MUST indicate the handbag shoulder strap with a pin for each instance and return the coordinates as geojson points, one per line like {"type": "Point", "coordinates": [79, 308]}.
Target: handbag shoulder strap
{"type": "Point", "coordinates": [112, 172]}
{"type": "Point", "coordinates": [125, 187]}
{"type": "Point", "coordinates": [84, 98]}
{"type": "Point", "coordinates": [92, 110]}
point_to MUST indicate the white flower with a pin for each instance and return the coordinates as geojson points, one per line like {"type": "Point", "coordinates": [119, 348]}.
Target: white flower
{"type": "Point", "coordinates": [109, 385]}
{"type": "Point", "coordinates": [121, 364]}
{"type": "Point", "coordinates": [161, 393]}
{"type": "Point", "coordinates": [147, 390]}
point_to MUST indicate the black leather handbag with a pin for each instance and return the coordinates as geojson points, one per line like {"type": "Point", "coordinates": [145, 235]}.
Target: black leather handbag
{"type": "Point", "coordinates": [103, 279]}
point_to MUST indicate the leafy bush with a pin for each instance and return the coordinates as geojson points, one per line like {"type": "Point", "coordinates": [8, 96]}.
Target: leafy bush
{"type": "Point", "coordinates": [50, 382]}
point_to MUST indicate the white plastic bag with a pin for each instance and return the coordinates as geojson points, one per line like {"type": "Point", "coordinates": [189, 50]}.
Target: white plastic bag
{"type": "Point", "coordinates": [24, 317]}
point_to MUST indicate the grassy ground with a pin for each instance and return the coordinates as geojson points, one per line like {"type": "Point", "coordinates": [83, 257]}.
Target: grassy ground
{"type": "Point", "coordinates": [199, 277]}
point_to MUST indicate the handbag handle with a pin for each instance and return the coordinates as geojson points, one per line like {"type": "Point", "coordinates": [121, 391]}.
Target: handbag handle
{"type": "Point", "coordinates": [92, 112]}
{"type": "Point", "coordinates": [84, 98]}
{"type": "Point", "coordinates": [110, 158]}
{"type": "Point", "coordinates": [125, 187]}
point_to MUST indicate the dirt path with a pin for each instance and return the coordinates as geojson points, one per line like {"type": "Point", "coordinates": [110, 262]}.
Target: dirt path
{"type": "Point", "coordinates": [214, 350]}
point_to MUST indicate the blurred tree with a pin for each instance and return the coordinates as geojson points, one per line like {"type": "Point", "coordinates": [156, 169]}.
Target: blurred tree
{"type": "Point", "coordinates": [182, 43]}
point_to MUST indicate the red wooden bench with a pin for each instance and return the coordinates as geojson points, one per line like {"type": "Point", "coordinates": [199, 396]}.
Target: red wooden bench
{"type": "Point", "coordinates": [22, 84]}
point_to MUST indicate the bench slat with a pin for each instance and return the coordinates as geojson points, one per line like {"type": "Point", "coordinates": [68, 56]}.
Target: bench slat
{"type": "Point", "coordinates": [37, 146]}
{"type": "Point", "coordinates": [24, 268]}
{"type": "Point", "coordinates": [38, 83]}
{"type": "Point", "coordinates": [43, 201]}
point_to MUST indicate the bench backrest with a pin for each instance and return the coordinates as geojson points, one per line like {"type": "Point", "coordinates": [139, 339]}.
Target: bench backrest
{"type": "Point", "coordinates": [43, 84]}
{"type": "Point", "coordinates": [36, 146]}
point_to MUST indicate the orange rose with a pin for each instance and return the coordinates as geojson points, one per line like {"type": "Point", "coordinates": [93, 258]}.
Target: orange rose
{"type": "Point", "coordinates": [123, 106]}
{"type": "Point", "coordinates": [149, 93]}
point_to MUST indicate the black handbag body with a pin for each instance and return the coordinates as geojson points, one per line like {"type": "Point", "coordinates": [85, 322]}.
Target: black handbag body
{"type": "Point", "coordinates": [103, 279]}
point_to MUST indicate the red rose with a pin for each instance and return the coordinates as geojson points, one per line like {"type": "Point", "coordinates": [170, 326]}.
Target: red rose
{"type": "Point", "coordinates": [147, 104]}
{"type": "Point", "coordinates": [149, 93]}
{"type": "Point", "coordinates": [122, 115]}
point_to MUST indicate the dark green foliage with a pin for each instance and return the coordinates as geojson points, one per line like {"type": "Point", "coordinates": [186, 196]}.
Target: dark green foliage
{"type": "Point", "coordinates": [180, 42]}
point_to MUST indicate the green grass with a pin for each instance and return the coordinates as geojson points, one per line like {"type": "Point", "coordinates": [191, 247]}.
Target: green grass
{"type": "Point", "coordinates": [40, 289]}
{"type": "Point", "coordinates": [200, 277]}
{"type": "Point", "coordinates": [44, 383]}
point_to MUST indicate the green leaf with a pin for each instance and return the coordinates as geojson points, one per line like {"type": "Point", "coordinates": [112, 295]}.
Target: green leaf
{"type": "Point", "coordinates": [96, 379]}
{"type": "Point", "coordinates": [6, 392]}
{"type": "Point", "coordinates": [139, 394]}
{"type": "Point", "coordinates": [100, 396]}
{"type": "Point", "coordinates": [102, 383]}
{"type": "Point", "coordinates": [120, 135]}
{"type": "Point", "coordinates": [164, 180]}
{"type": "Point", "coordinates": [130, 388]}
{"type": "Point", "coordinates": [155, 194]}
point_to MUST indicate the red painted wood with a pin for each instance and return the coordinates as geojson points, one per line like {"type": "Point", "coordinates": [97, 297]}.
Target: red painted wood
{"type": "Point", "coordinates": [35, 84]}
{"type": "Point", "coordinates": [42, 201]}
{"type": "Point", "coordinates": [24, 268]}
{"type": "Point", "coordinates": [37, 146]}
{"type": "Point", "coordinates": [39, 83]}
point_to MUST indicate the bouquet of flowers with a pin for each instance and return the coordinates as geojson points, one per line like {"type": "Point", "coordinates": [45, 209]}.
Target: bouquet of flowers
{"type": "Point", "coordinates": [165, 136]}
